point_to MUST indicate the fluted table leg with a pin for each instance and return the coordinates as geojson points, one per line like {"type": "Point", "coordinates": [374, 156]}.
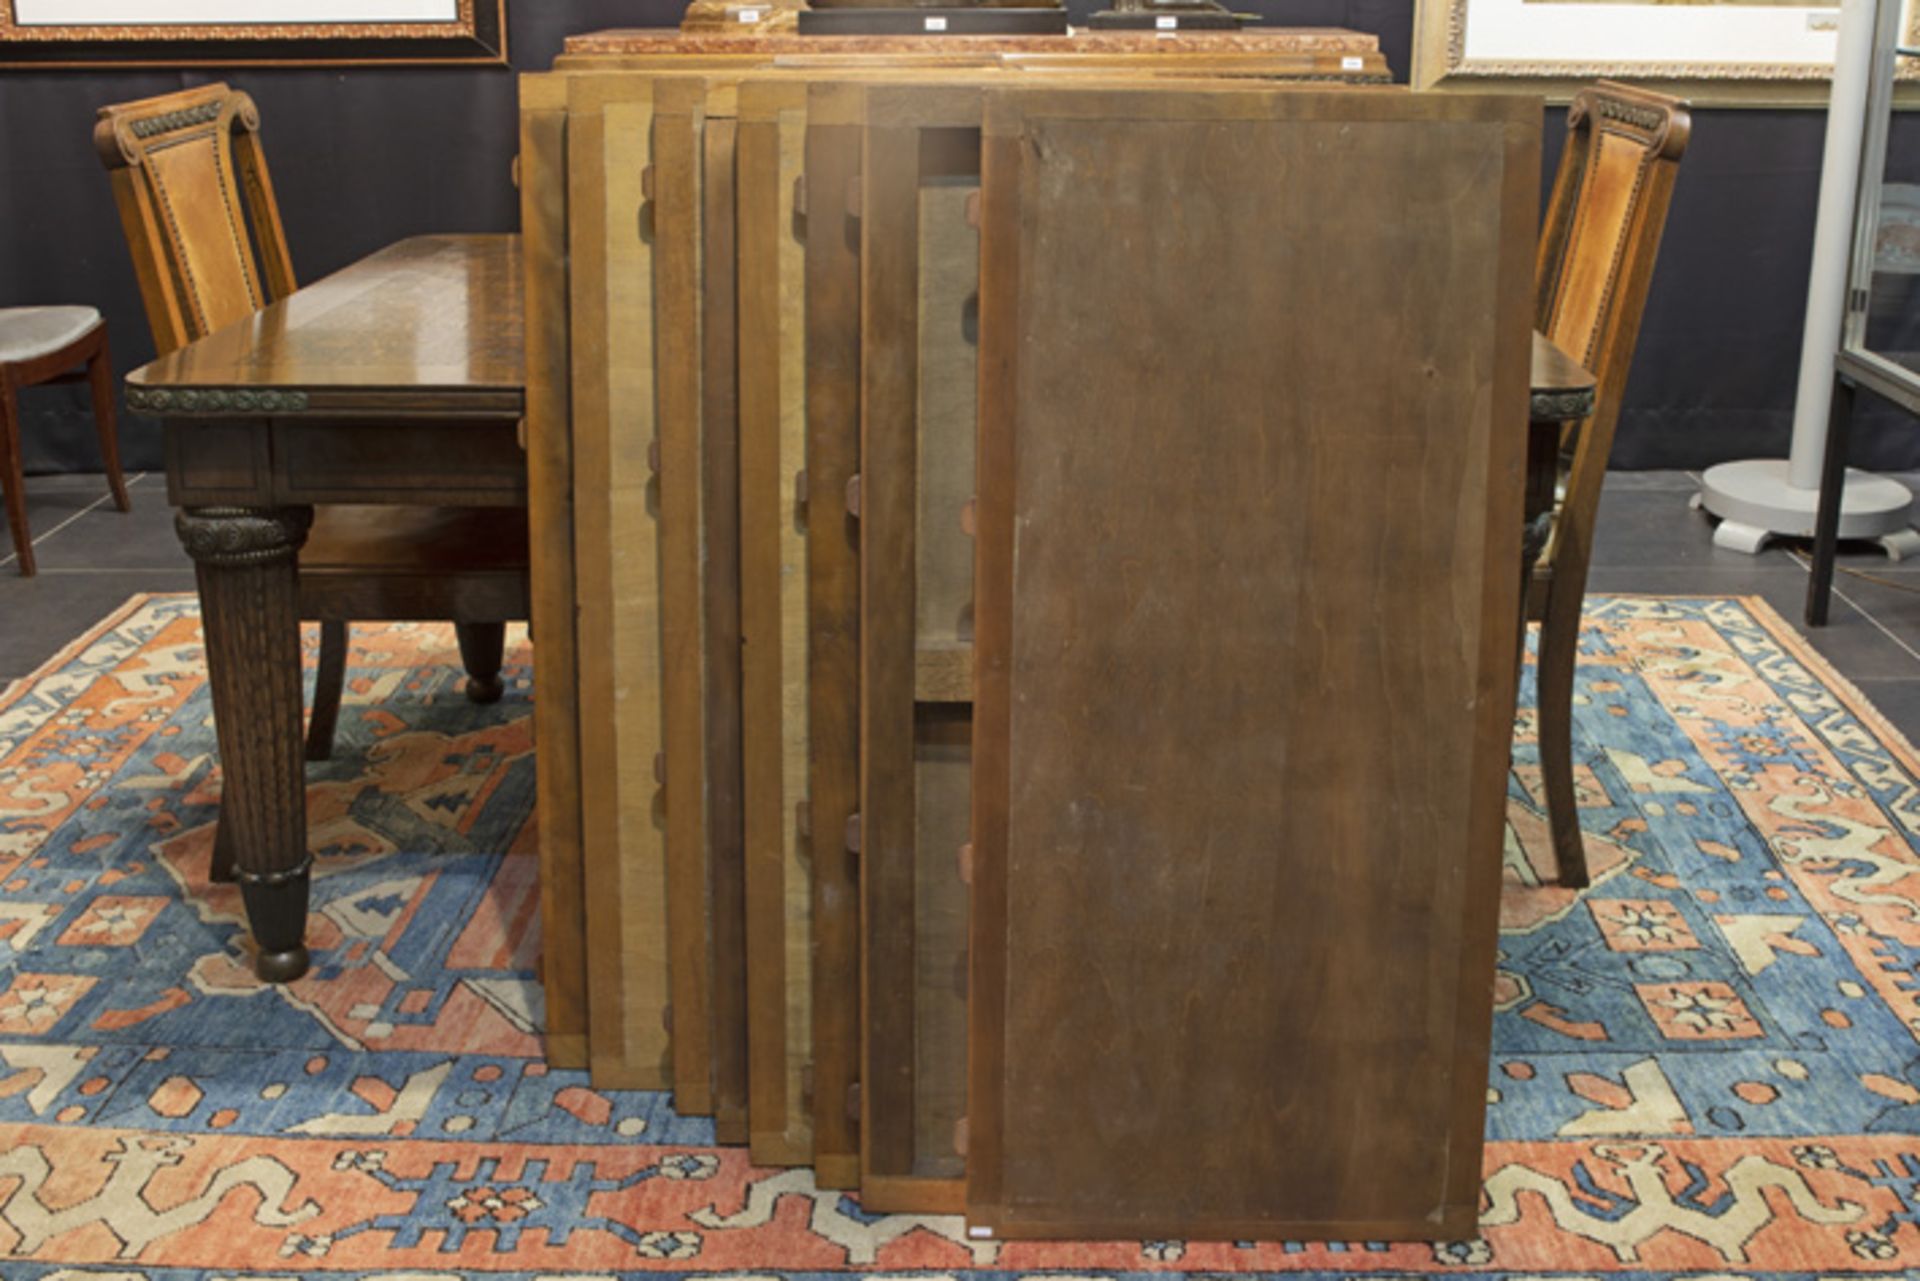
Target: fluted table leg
{"type": "Point", "coordinates": [245, 561]}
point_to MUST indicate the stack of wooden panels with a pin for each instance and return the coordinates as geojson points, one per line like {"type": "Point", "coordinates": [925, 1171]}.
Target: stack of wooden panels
{"type": "Point", "coordinates": [780, 301]}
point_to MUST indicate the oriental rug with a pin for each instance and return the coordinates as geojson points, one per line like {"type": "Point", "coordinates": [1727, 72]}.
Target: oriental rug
{"type": "Point", "coordinates": [1708, 1064]}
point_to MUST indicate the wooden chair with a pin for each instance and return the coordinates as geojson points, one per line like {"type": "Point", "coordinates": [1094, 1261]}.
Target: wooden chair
{"type": "Point", "coordinates": [51, 345]}
{"type": "Point", "coordinates": [197, 205]}
{"type": "Point", "coordinates": [1597, 250]}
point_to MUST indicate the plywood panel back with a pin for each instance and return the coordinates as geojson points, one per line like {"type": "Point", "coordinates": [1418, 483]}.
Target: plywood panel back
{"type": "Point", "coordinates": [720, 526]}
{"type": "Point", "coordinates": [832, 308]}
{"type": "Point", "coordinates": [543, 222]}
{"type": "Point", "coordinates": [919, 265]}
{"type": "Point", "coordinates": [770, 154]}
{"type": "Point", "coordinates": [616, 506]}
{"type": "Point", "coordinates": [1254, 387]}
{"type": "Point", "coordinates": [678, 209]}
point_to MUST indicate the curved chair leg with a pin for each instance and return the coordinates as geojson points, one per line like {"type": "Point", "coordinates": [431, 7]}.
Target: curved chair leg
{"type": "Point", "coordinates": [1559, 643]}
{"type": "Point", "coordinates": [483, 648]}
{"type": "Point", "coordinates": [328, 680]}
{"type": "Point", "coordinates": [13, 487]}
{"type": "Point", "coordinates": [100, 378]}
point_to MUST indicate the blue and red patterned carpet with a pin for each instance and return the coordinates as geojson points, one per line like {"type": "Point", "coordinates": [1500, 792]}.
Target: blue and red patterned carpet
{"type": "Point", "coordinates": [1707, 1064]}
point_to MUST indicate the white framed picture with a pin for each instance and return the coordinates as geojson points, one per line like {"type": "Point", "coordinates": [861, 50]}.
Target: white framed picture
{"type": "Point", "coordinates": [42, 33]}
{"type": "Point", "coordinates": [1714, 52]}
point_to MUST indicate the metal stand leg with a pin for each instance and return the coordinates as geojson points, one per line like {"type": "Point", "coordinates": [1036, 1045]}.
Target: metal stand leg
{"type": "Point", "coordinates": [1826, 525]}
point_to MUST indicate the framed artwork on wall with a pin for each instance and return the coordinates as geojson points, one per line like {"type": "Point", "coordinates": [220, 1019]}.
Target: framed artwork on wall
{"type": "Point", "coordinates": [1714, 52]}
{"type": "Point", "coordinates": [91, 33]}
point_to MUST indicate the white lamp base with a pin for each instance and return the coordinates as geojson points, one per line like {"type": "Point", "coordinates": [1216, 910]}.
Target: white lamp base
{"type": "Point", "coordinates": [1757, 503]}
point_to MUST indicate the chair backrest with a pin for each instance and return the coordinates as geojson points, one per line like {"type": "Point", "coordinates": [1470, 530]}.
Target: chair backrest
{"type": "Point", "coordinates": [1597, 250]}
{"type": "Point", "coordinates": [198, 209]}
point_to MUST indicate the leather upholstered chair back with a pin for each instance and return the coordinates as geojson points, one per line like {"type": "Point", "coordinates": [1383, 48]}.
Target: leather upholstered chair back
{"type": "Point", "coordinates": [1603, 227]}
{"type": "Point", "coordinates": [1597, 251]}
{"type": "Point", "coordinates": [197, 206]}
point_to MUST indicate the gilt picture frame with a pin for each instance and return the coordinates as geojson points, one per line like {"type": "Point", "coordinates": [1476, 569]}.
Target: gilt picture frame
{"type": "Point", "coordinates": [1754, 53]}
{"type": "Point", "coordinates": [41, 34]}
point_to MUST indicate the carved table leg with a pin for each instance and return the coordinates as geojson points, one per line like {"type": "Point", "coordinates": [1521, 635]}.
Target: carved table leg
{"type": "Point", "coordinates": [245, 561]}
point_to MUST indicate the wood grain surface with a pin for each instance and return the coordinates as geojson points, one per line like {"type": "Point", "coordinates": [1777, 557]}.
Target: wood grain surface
{"type": "Point", "coordinates": [770, 156]}
{"type": "Point", "coordinates": [318, 340]}
{"type": "Point", "coordinates": [833, 624]}
{"type": "Point", "coordinates": [617, 563]}
{"type": "Point", "coordinates": [1249, 511]}
{"type": "Point", "coordinates": [677, 171]}
{"type": "Point", "coordinates": [720, 526]}
{"type": "Point", "coordinates": [556, 710]}
{"type": "Point", "coordinates": [920, 263]}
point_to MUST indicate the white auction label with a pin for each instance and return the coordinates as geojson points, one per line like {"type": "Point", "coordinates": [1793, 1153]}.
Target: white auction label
{"type": "Point", "coordinates": [1166, 24]}
{"type": "Point", "coordinates": [936, 24]}
{"type": "Point", "coordinates": [1352, 64]}
{"type": "Point", "coordinates": [750, 15]}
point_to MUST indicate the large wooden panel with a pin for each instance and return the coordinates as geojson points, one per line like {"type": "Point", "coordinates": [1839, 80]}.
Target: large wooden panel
{"type": "Point", "coordinates": [678, 220]}
{"type": "Point", "coordinates": [920, 264]}
{"type": "Point", "coordinates": [832, 309]}
{"type": "Point", "coordinates": [720, 530]}
{"type": "Point", "coordinates": [1248, 520]}
{"type": "Point", "coordinates": [556, 710]}
{"type": "Point", "coordinates": [617, 563]}
{"type": "Point", "coordinates": [770, 152]}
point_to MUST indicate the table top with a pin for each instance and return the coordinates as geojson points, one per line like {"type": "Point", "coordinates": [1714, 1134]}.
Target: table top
{"type": "Point", "coordinates": [1563, 390]}
{"type": "Point", "coordinates": [433, 325]}
{"type": "Point", "coordinates": [428, 326]}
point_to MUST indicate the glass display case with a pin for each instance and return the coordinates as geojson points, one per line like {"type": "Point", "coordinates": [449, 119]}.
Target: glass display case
{"type": "Point", "coordinates": [1880, 334]}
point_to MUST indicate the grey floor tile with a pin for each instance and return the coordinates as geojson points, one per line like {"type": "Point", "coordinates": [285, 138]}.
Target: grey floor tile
{"type": "Point", "coordinates": [1658, 528]}
{"type": "Point", "coordinates": [1682, 482]}
{"type": "Point", "coordinates": [1898, 701]}
{"type": "Point", "coordinates": [1891, 600]}
{"type": "Point", "coordinates": [105, 536]}
{"type": "Point", "coordinates": [87, 481]}
{"type": "Point", "coordinates": [56, 502]}
{"type": "Point", "coordinates": [39, 616]}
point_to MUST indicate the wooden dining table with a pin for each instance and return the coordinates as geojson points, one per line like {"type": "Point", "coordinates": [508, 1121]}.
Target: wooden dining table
{"type": "Point", "coordinates": [398, 380]}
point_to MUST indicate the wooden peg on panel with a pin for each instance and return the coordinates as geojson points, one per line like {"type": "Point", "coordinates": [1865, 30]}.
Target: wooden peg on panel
{"type": "Point", "coordinates": [853, 495]}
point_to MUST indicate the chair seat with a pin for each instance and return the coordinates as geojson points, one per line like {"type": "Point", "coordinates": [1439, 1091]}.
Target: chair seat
{"type": "Point", "coordinates": [28, 333]}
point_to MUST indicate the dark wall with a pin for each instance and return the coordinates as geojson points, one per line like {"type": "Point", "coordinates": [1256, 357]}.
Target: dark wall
{"type": "Point", "coordinates": [363, 157]}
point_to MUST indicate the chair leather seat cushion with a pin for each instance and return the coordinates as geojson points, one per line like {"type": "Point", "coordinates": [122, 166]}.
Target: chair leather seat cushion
{"type": "Point", "coordinates": [415, 540]}
{"type": "Point", "coordinates": [28, 333]}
